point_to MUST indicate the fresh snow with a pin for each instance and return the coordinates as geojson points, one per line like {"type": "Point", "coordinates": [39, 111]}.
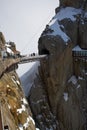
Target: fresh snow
{"type": "Point", "coordinates": [73, 80]}
{"type": "Point", "coordinates": [69, 13]}
{"type": "Point", "coordinates": [57, 30]}
{"type": "Point", "coordinates": [65, 96]}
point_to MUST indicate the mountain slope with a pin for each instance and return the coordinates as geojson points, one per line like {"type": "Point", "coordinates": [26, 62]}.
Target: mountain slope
{"type": "Point", "coordinates": [58, 94]}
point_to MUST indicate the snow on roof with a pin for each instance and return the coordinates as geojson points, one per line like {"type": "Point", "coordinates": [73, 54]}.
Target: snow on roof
{"type": "Point", "coordinates": [68, 12]}
{"type": "Point", "coordinates": [65, 96]}
{"type": "Point", "coordinates": [77, 48]}
{"type": "Point", "coordinates": [73, 80]}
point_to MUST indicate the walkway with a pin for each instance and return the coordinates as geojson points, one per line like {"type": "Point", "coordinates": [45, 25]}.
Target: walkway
{"type": "Point", "coordinates": [11, 63]}
{"type": "Point", "coordinates": [27, 59]}
{"type": "Point", "coordinates": [79, 54]}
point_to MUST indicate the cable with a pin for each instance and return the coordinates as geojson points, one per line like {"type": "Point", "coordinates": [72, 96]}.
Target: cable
{"type": "Point", "coordinates": [36, 32]}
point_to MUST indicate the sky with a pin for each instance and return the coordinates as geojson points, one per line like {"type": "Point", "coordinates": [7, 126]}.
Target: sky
{"type": "Point", "coordinates": [22, 21]}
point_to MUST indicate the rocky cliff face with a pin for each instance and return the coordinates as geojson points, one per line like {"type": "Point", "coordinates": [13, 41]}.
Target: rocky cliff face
{"type": "Point", "coordinates": [58, 93]}
{"type": "Point", "coordinates": [15, 113]}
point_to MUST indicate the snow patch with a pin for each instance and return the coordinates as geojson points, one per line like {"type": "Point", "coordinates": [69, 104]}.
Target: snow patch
{"type": "Point", "coordinates": [80, 78]}
{"type": "Point", "coordinates": [20, 127]}
{"type": "Point", "coordinates": [78, 86]}
{"type": "Point", "coordinates": [10, 51]}
{"type": "Point", "coordinates": [65, 96]}
{"type": "Point", "coordinates": [73, 80]}
{"type": "Point", "coordinates": [65, 13]}
{"type": "Point", "coordinates": [24, 101]}
{"type": "Point", "coordinates": [57, 30]}
{"type": "Point", "coordinates": [37, 129]}
{"type": "Point", "coordinates": [17, 82]}
{"type": "Point", "coordinates": [77, 48]}
{"type": "Point", "coordinates": [21, 109]}
{"type": "Point", "coordinates": [27, 122]}
{"type": "Point", "coordinates": [69, 13]}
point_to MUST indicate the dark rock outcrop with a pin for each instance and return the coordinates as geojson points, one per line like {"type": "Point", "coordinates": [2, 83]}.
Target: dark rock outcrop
{"type": "Point", "coordinates": [71, 3]}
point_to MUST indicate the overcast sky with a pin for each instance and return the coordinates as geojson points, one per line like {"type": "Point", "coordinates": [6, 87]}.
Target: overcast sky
{"type": "Point", "coordinates": [22, 21]}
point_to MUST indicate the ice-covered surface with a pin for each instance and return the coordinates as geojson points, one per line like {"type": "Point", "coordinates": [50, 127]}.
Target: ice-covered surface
{"type": "Point", "coordinates": [73, 80]}
{"type": "Point", "coordinates": [64, 13]}
{"type": "Point", "coordinates": [65, 96]}
{"type": "Point", "coordinates": [28, 78]}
